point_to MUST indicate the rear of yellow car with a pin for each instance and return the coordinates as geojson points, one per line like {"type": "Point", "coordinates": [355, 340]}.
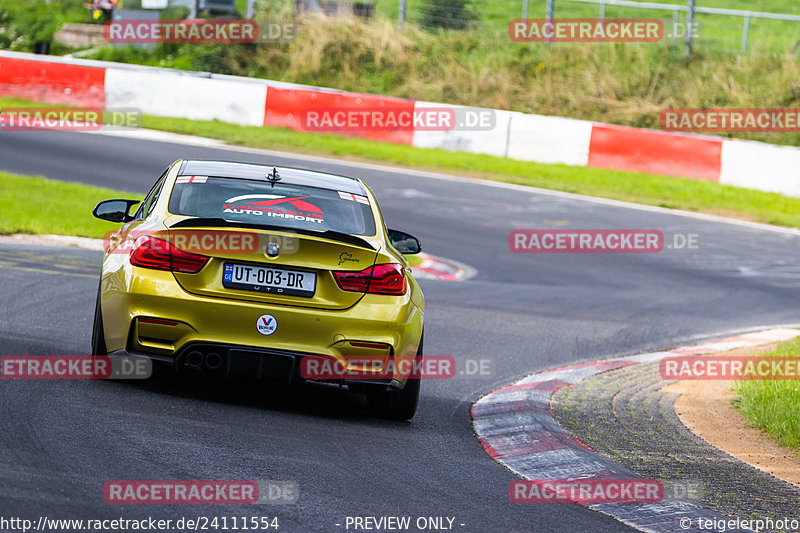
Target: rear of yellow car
{"type": "Point", "coordinates": [247, 270]}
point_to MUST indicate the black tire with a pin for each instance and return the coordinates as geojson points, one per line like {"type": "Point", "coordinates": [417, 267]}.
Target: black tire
{"type": "Point", "coordinates": [99, 347]}
{"type": "Point", "coordinates": [98, 335]}
{"type": "Point", "coordinates": [397, 405]}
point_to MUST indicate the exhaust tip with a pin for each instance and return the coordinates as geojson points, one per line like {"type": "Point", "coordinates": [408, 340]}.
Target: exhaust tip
{"type": "Point", "coordinates": [194, 359]}
{"type": "Point", "coordinates": [213, 361]}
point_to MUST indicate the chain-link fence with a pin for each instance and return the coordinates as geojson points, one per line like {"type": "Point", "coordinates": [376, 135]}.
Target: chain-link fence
{"type": "Point", "coordinates": [764, 26]}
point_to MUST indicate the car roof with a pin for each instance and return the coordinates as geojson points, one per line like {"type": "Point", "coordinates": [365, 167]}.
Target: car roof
{"type": "Point", "coordinates": [289, 175]}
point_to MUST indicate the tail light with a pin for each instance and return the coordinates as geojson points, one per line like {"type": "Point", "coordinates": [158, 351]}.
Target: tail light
{"type": "Point", "coordinates": [378, 279]}
{"type": "Point", "coordinates": [149, 252]}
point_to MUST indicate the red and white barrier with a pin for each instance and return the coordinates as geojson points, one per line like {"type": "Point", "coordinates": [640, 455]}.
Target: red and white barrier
{"type": "Point", "coordinates": [655, 152]}
{"type": "Point", "coordinates": [491, 142]}
{"type": "Point", "coordinates": [180, 96]}
{"type": "Point", "coordinates": [525, 137]}
{"type": "Point", "coordinates": [286, 107]}
{"type": "Point", "coordinates": [52, 82]}
{"type": "Point", "coordinates": [549, 139]}
{"type": "Point", "coordinates": [761, 166]}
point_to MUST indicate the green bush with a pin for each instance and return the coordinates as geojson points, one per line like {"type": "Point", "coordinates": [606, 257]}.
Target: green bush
{"type": "Point", "coordinates": [24, 23]}
{"type": "Point", "coordinates": [449, 14]}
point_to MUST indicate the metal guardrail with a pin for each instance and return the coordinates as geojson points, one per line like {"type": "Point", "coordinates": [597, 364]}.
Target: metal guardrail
{"type": "Point", "coordinates": [690, 9]}
{"type": "Point", "coordinates": [492, 15]}
{"type": "Point", "coordinates": [697, 9]}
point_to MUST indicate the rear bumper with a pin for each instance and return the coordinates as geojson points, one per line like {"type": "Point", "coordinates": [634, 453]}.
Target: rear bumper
{"type": "Point", "coordinates": [175, 321]}
{"type": "Point", "coordinates": [245, 361]}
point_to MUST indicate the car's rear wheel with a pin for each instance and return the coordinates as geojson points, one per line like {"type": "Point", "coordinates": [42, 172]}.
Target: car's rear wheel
{"type": "Point", "coordinates": [99, 347]}
{"type": "Point", "coordinates": [397, 405]}
{"type": "Point", "coordinates": [98, 336]}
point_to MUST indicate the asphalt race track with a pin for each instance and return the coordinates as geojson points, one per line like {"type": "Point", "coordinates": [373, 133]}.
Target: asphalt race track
{"type": "Point", "coordinates": [63, 440]}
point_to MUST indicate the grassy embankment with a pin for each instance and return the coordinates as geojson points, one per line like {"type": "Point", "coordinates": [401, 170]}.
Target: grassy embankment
{"type": "Point", "coordinates": [38, 205]}
{"type": "Point", "coordinates": [772, 405]}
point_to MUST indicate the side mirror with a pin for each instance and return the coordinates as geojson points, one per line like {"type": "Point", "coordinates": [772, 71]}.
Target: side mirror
{"type": "Point", "coordinates": [114, 210]}
{"type": "Point", "coordinates": [404, 243]}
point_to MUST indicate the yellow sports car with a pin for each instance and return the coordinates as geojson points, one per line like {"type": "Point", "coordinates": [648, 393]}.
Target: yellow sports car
{"type": "Point", "coordinates": [244, 269]}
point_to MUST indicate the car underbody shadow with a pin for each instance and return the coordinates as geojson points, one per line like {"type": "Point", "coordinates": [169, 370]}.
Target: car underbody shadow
{"type": "Point", "coordinates": [311, 399]}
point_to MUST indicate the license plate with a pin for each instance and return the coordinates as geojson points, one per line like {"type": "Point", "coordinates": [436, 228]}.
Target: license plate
{"type": "Point", "coordinates": [269, 280]}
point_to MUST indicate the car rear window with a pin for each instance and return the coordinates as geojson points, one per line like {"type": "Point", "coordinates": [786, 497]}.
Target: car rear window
{"type": "Point", "coordinates": [282, 204]}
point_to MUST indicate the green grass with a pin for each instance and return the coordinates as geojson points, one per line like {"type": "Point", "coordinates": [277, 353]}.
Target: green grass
{"type": "Point", "coordinates": [676, 193]}
{"type": "Point", "coordinates": [39, 205]}
{"type": "Point", "coordinates": [773, 405]}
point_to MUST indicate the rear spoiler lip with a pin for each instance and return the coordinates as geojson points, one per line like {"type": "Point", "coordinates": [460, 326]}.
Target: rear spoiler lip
{"type": "Point", "coordinates": [222, 223]}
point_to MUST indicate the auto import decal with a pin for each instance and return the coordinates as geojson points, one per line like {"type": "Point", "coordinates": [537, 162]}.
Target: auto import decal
{"type": "Point", "coordinates": [274, 206]}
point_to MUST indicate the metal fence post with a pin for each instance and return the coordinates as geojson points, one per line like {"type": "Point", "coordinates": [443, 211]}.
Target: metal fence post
{"type": "Point", "coordinates": [401, 16]}
{"type": "Point", "coordinates": [690, 26]}
{"type": "Point", "coordinates": [745, 32]}
{"type": "Point", "coordinates": [675, 20]}
{"type": "Point", "coordinates": [603, 11]}
{"type": "Point", "coordinates": [550, 10]}
{"type": "Point", "coordinates": [524, 9]}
